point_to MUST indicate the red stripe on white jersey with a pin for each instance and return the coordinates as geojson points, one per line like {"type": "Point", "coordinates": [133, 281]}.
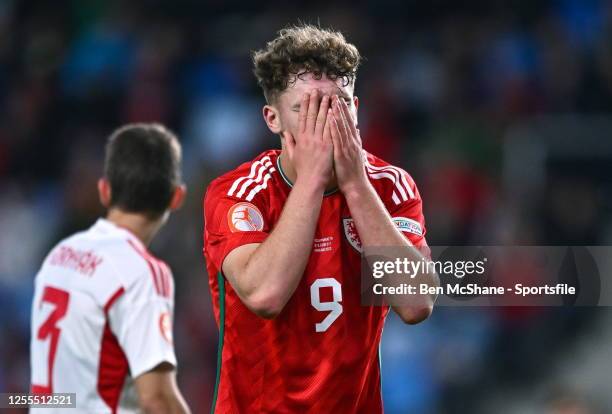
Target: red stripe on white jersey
{"type": "Point", "coordinates": [113, 299]}
{"type": "Point", "coordinates": [164, 281]}
{"type": "Point", "coordinates": [152, 266]}
{"type": "Point", "coordinates": [112, 369]}
{"type": "Point", "coordinates": [167, 279]}
{"type": "Point", "coordinates": [165, 275]}
{"type": "Point", "coordinates": [160, 275]}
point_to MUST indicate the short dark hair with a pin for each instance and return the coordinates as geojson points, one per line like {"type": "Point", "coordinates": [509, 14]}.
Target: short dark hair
{"type": "Point", "coordinates": [143, 167]}
{"type": "Point", "coordinates": [304, 49]}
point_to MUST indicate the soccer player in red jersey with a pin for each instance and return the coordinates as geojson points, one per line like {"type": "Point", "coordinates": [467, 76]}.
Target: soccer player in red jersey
{"type": "Point", "coordinates": [283, 236]}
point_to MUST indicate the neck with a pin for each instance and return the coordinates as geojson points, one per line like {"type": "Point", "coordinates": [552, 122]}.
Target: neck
{"type": "Point", "coordinates": [291, 174]}
{"type": "Point", "coordinates": [139, 225]}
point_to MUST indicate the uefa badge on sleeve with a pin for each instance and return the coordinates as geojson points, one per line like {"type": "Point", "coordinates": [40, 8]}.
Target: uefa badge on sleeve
{"type": "Point", "coordinates": [244, 217]}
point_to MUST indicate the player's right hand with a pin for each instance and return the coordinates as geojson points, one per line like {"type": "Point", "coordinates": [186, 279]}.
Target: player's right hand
{"type": "Point", "coordinates": [311, 151]}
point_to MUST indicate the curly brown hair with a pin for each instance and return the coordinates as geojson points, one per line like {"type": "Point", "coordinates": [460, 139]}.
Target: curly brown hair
{"type": "Point", "coordinates": [302, 49]}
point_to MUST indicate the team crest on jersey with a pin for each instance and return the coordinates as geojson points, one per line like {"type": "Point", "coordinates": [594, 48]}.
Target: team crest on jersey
{"type": "Point", "coordinates": [408, 225]}
{"type": "Point", "coordinates": [244, 217]}
{"type": "Point", "coordinates": [350, 231]}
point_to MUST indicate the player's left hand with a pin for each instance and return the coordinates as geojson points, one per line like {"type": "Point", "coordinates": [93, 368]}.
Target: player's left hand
{"type": "Point", "coordinates": [348, 151]}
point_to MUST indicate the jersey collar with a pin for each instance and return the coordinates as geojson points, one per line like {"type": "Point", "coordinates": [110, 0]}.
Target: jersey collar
{"type": "Point", "coordinates": [106, 226]}
{"type": "Point", "coordinates": [290, 184]}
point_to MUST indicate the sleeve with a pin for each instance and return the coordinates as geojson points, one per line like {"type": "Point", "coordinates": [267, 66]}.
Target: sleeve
{"type": "Point", "coordinates": [230, 223]}
{"type": "Point", "coordinates": [409, 219]}
{"type": "Point", "coordinates": [142, 320]}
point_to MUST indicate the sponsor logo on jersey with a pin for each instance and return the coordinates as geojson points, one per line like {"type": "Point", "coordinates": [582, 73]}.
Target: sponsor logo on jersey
{"type": "Point", "coordinates": [350, 231]}
{"type": "Point", "coordinates": [165, 326]}
{"type": "Point", "coordinates": [244, 217]}
{"type": "Point", "coordinates": [408, 225]}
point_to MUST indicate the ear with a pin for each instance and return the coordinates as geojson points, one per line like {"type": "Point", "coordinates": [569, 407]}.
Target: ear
{"type": "Point", "coordinates": [104, 192]}
{"type": "Point", "coordinates": [272, 118]}
{"type": "Point", "coordinates": [178, 198]}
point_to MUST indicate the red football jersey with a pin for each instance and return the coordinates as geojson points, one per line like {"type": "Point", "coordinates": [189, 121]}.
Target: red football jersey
{"type": "Point", "coordinates": [320, 354]}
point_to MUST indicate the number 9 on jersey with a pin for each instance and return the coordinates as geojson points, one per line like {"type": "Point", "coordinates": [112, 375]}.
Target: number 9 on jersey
{"type": "Point", "coordinates": [334, 307]}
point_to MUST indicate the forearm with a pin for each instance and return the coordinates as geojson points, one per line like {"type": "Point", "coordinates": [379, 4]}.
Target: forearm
{"type": "Point", "coordinates": [275, 268]}
{"type": "Point", "coordinates": [158, 392]}
{"type": "Point", "coordinates": [374, 224]}
{"type": "Point", "coordinates": [265, 275]}
{"type": "Point", "coordinates": [377, 229]}
{"type": "Point", "coordinates": [161, 405]}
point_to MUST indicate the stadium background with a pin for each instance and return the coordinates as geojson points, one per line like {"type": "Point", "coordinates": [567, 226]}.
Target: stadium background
{"type": "Point", "coordinates": [499, 109]}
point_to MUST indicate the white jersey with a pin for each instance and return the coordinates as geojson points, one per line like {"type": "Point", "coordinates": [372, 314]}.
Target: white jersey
{"type": "Point", "coordinates": [101, 316]}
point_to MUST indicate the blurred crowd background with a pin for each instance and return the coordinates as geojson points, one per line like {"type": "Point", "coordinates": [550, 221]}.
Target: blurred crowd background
{"type": "Point", "coordinates": [499, 110]}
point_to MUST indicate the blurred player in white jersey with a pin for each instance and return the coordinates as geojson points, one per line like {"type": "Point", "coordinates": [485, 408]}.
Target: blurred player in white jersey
{"type": "Point", "coordinates": [103, 304]}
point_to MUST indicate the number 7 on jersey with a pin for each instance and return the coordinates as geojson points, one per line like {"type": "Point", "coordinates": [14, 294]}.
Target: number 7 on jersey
{"type": "Point", "coordinates": [49, 330]}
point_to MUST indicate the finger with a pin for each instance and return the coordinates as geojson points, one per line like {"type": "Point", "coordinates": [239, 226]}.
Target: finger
{"type": "Point", "coordinates": [313, 110]}
{"type": "Point", "coordinates": [321, 117]}
{"type": "Point", "coordinates": [342, 127]}
{"type": "Point", "coordinates": [359, 137]}
{"type": "Point", "coordinates": [327, 131]}
{"type": "Point", "coordinates": [345, 121]}
{"type": "Point", "coordinates": [349, 118]}
{"type": "Point", "coordinates": [303, 112]}
{"type": "Point", "coordinates": [336, 136]}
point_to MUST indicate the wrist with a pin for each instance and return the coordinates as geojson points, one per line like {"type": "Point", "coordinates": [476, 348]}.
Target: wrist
{"type": "Point", "coordinates": [316, 184]}
{"type": "Point", "coordinates": [357, 189]}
